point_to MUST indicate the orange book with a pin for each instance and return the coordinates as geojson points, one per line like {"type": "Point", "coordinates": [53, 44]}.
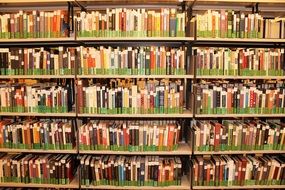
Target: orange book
{"type": "Point", "coordinates": [170, 136]}
{"type": "Point", "coordinates": [36, 134]}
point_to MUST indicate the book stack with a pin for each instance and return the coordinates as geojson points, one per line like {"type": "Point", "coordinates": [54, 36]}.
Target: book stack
{"type": "Point", "coordinates": [123, 22]}
{"type": "Point", "coordinates": [33, 168]}
{"type": "Point", "coordinates": [35, 24]}
{"type": "Point", "coordinates": [239, 98]}
{"type": "Point", "coordinates": [238, 170]}
{"type": "Point", "coordinates": [151, 60]}
{"type": "Point", "coordinates": [239, 61]}
{"type": "Point", "coordinates": [236, 24]}
{"type": "Point", "coordinates": [130, 135]}
{"type": "Point", "coordinates": [33, 134]}
{"type": "Point", "coordinates": [235, 135]}
{"type": "Point", "coordinates": [130, 171]}
{"type": "Point", "coordinates": [131, 97]}
{"type": "Point", "coordinates": [37, 61]}
{"type": "Point", "coordinates": [38, 98]}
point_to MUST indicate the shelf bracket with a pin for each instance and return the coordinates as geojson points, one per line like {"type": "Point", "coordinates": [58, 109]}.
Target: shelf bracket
{"type": "Point", "coordinates": [80, 5]}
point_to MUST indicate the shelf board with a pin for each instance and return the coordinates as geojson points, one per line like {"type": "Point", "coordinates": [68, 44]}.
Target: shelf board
{"type": "Point", "coordinates": [36, 39]}
{"type": "Point", "coordinates": [185, 185]}
{"type": "Point", "coordinates": [138, 76]}
{"type": "Point", "coordinates": [237, 115]}
{"type": "Point", "coordinates": [34, 1]}
{"type": "Point", "coordinates": [73, 185]}
{"type": "Point", "coordinates": [36, 76]}
{"type": "Point", "coordinates": [187, 114]}
{"type": "Point", "coordinates": [240, 152]}
{"type": "Point", "coordinates": [238, 42]}
{"type": "Point", "coordinates": [241, 187]}
{"type": "Point", "coordinates": [70, 114]}
{"type": "Point", "coordinates": [240, 77]}
{"type": "Point", "coordinates": [129, 39]}
{"type": "Point", "coordinates": [255, 40]}
{"type": "Point", "coordinates": [12, 150]}
{"type": "Point", "coordinates": [183, 149]}
{"type": "Point", "coordinates": [243, 1]}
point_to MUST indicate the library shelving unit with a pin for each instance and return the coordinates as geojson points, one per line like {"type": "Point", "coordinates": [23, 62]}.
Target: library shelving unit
{"type": "Point", "coordinates": [251, 6]}
{"type": "Point", "coordinates": [30, 5]}
{"type": "Point", "coordinates": [184, 149]}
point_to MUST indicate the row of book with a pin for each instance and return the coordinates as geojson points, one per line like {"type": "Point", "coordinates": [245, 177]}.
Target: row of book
{"type": "Point", "coordinates": [239, 61]}
{"type": "Point", "coordinates": [123, 22]}
{"type": "Point", "coordinates": [237, 170]}
{"type": "Point", "coordinates": [37, 61]}
{"type": "Point", "coordinates": [35, 24]}
{"type": "Point", "coordinates": [33, 134]}
{"type": "Point", "coordinates": [131, 97]}
{"type": "Point", "coordinates": [236, 24]}
{"type": "Point", "coordinates": [222, 97]}
{"type": "Point", "coordinates": [236, 135]}
{"type": "Point", "coordinates": [130, 135]}
{"type": "Point", "coordinates": [130, 171]}
{"type": "Point", "coordinates": [38, 98]}
{"type": "Point", "coordinates": [149, 60]}
{"type": "Point", "coordinates": [34, 168]}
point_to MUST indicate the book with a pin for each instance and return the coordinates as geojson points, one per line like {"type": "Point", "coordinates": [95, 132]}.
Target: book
{"type": "Point", "coordinates": [36, 98]}
{"type": "Point", "coordinates": [238, 170]}
{"type": "Point", "coordinates": [37, 61]}
{"type": "Point", "coordinates": [123, 22]}
{"type": "Point", "coordinates": [223, 97]}
{"type": "Point", "coordinates": [237, 24]}
{"type": "Point", "coordinates": [37, 134]}
{"type": "Point", "coordinates": [131, 171]}
{"type": "Point", "coordinates": [151, 60]}
{"type": "Point", "coordinates": [239, 61]}
{"type": "Point", "coordinates": [130, 136]}
{"type": "Point", "coordinates": [131, 97]}
{"type": "Point", "coordinates": [238, 135]}
{"type": "Point", "coordinates": [34, 24]}
{"type": "Point", "coordinates": [37, 169]}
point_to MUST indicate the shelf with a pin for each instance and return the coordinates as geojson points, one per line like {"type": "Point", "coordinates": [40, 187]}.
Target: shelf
{"type": "Point", "coordinates": [183, 115]}
{"type": "Point", "coordinates": [241, 77]}
{"type": "Point", "coordinates": [241, 187]}
{"type": "Point", "coordinates": [11, 150]}
{"type": "Point", "coordinates": [36, 76]}
{"type": "Point", "coordinates": [34, 1]}
{"type": "Point", "coordinates": [224, 42]}
{"type": "Point", "coordinates": [183, 149]}
{"type": "Point", "coordinates": [37, 114]}
{"type": "Point", "coordinates": [74, 184]}
{"type": "Point", "coordinates": [243, 1]}
{"type": "Point", "coordinates": [185, 185]}
{"type": "Point", "coordinates": [138, 76]}
{"type": "Point", "coordinates": [68, 41]}
{"type": "Point", "coordinates": [240, 152]}
{"type": "Point", "coordinates": [135, 39]}
{"type": "Point", "coordinates": [237, 115]}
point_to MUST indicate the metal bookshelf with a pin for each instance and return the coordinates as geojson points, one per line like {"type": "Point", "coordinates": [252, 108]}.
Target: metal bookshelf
{"type": "Point", "coordinates": [241, 187]}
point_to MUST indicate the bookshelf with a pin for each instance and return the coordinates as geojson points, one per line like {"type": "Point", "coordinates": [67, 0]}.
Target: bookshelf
{"type": "Point", "coordinates": [211, 159]}
{"type": "Point", "coordinates": [184, 149]}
